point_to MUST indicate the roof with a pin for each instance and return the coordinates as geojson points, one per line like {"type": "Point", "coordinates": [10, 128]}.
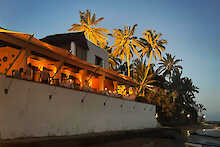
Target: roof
{"type": "Point", "coordinates": [66, 38]}
{"type": "Point", "coordinates": [29, 42]}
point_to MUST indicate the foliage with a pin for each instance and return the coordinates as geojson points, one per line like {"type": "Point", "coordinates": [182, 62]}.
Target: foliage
{"type": "Point", "coordinates": [152, 45]}
{"type": "Point", "coordinates": [168, 65]}
{"type": "Point", "coordinates": [88, 24]}
{"type": "Point", "coordinates": [139, 69]}
{"type": "Point", "coordinates": [163, 99]}
{"type": "Point", "coordinates": [174, 97]}
{"type": "Point", "coordinates": [151, 42]}
{"type": "Point", "coordinates": [125, 44]}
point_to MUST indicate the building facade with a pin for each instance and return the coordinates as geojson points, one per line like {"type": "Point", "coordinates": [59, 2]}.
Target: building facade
{"type": "Point", "coordinates": [80, 47]}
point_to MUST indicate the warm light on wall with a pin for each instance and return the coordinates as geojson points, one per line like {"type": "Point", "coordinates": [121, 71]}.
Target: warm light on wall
{"type": "Point", "coordinates": [41, 67]}
{"type": "Point", "coordinates": [90, 82]}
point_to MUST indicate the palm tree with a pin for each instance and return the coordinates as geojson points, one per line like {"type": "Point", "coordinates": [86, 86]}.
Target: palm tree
{"type": "Point", "coordinates": [151, 45]}
{"type": "Point", "coordinates": [114, 63]}
{"type": "Point", "coordinates": [139, 70]}
{"type": "Point", "coordinates": [184, 87]}
{"type": "Point", "coordinates": [125, 44]}
{"type": "Point", "coordinates": [201, 108]}
{"type": "Point", "coordinates": [168, 65]}
{"type": "Point", "coordinates": [88, 24]}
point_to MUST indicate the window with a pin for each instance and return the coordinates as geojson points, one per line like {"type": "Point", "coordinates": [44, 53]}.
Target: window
{"type": "Point", "coordinates": [73, 48]}
{"type": "Point", "coordinates": [98, 61]}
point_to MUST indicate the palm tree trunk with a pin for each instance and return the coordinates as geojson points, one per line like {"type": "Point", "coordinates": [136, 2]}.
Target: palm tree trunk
{"type": "Point", "coordinates": [128, 66]}
{"type": "Point", "coordinates": [146, 73]}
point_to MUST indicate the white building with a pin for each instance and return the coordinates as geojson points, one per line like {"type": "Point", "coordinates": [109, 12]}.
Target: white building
{"type": "Point", "coordinates": [79, 46]}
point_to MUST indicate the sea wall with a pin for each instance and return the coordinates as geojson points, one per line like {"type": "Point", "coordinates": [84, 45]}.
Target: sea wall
{"type": "Point", "coordinates": [29, 109]}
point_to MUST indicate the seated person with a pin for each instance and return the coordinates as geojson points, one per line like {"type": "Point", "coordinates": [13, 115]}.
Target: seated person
{"type": "Point", "coordinates": [63, 79]}
{"type": "Point", "coordinates": [77, 83]}
{"type": "Point", "coordinates": [105, 91]}
{"type": "Point", "coordinates": [29, 72]}
{"type": "Point", "coordinates": [18, 73]}
{"type": "Point", "coordinates": [86, 86]}
{"type": "Point", "coordinates": [133, 95]}
{"type": "Point", "coordinates": [44, 76]}
{"type": "Point", "coordinates": [69, 83]}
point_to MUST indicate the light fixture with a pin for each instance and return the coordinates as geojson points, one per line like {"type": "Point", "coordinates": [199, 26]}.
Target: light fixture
{"type": "Point", "coordinates": [156, 115]}
{"type": "Point", "coordinates": [188, 115]}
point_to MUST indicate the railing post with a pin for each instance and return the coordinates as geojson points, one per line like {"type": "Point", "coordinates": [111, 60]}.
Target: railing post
{"type": "Point", "coordinates": [101, 82]}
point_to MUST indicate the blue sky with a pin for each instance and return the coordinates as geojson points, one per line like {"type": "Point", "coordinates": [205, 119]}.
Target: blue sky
{"type": "Point", "coordinates": [192, 28]}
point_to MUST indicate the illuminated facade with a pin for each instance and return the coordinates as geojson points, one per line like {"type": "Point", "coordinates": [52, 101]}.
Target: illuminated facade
{"type": "Point", "coordinates": [65, 62]}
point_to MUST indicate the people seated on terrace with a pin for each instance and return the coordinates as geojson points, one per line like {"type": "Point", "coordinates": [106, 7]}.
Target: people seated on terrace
{"type": "Point", "coordinates": [126, 96]}
{"type": "Point", "coordinates": [133, 95]}
{"type": "Point", "coordinates": [18, 73]}
{"type": "Point", "coordinates": [105, 91]}
{"type": "Point", "coordinates": [77, 83]}
{"type": "Point", "coordinates": [44, 76]}
{"type": "Point", "coordinates": [36, 74]}
{"type": "Point", "coordinates": [69, 83]}
{"type": "Point", "coordinates": [29, 72]}
{"type": "Point", "coordinates": [63, 79]}
{"type": "Point", "coordinates": [130, 96]}
{"type": "Point", "coordinates": [86, 86]}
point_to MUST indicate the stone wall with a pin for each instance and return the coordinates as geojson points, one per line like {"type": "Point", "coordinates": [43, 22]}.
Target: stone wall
{"type": "Point", "coordinates": [29, 109]}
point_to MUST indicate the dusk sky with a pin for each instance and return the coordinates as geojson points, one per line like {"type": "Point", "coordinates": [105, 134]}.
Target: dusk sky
{"type": "Point", "coordinates": [192, 28]}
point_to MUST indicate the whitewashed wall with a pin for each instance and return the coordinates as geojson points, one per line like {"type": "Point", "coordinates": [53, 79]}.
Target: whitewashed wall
{"type": "Point", "coordinates": [27, 111]}
{"type": "Point", "coordinates": [96, 51]}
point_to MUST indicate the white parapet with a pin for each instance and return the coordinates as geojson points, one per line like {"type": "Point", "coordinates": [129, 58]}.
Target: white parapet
{"type": "Point", "coordinates": [29, 109]}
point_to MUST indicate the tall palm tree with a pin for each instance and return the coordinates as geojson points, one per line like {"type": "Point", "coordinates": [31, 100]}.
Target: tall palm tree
{"type": "Point", "coordinates": [125, 44]}
{"type": "Point", "coordinates": [151, 45]}
{"type": "Point", "coordinates": [168, 65]}
{"type": "Point", "coordinates": [88, 24]}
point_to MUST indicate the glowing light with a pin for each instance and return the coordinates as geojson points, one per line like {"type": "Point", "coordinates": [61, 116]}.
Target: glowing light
{"type": "Point", "coordinates": [41, 67]}
{"type": "Point", "coordinates": [156, 115]}
{"type": "Point", "coordinates": [187, 133]}
{"type": "Point", "coordinates": [188, 115]}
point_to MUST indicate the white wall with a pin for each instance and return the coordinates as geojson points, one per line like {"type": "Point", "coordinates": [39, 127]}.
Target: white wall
{"type": "Point", "coordinates": [73, 48]}
{"type": "Point", "coordinates": [27, 111]}
{"type": "Point", "coordinates": [96, 51]}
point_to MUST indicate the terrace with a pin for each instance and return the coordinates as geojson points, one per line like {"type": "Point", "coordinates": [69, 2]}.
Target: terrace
{"type": "Point", "coordinates": [25, 57]}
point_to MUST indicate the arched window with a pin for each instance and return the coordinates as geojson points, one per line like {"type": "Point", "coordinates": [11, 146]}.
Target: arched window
{"type": "Point", "coordinates": [73, 48]}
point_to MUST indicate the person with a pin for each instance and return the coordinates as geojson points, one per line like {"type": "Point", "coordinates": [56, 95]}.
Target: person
{"type": "Point", "coordinates": [69, 83]}
{"type": "Point", "coordinates": [29, 72]}
{"type": "Point", "coordinates": [133, 95]}
{"type": "Point", "coordinates": [77, 83]}
{"type": "Point", "coordinates": [16, 74]}
{"type": "Point", "coordinates": [44, 76]}
{"type": "Point", "coordinates": [86, 86]}
{"type": "Point", "coordinates": [21, 73]}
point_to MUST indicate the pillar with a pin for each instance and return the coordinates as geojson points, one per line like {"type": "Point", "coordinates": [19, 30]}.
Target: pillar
{"type": "Point", "coordinates": [82, 76]}
{"type": "Point", "coordinates": [101, 82]}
